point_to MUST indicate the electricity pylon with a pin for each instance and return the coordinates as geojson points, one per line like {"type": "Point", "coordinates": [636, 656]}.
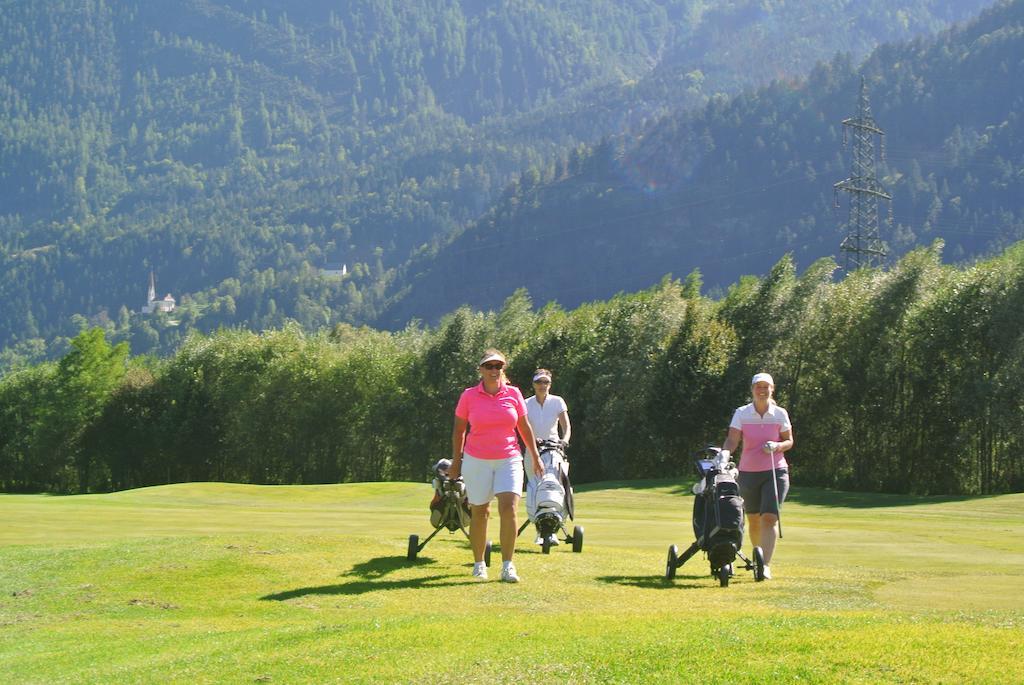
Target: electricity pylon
{"type": "Point", "coordinates": [863, 246]}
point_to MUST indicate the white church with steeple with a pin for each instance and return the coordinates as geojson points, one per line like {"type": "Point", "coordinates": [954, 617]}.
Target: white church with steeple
{"type": "Point", "coordinates": [155, 305]}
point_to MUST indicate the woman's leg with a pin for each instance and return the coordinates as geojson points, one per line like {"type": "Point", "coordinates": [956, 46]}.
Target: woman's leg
{"type": "Point", "coordinates": [754, 529]}
{"type": "Point", "coordinates": [763, 533]}
{"type": "Point", "coordinates": [508, 509]}
{"type": "Point", "coordinates": [478, 530]}
{"type": "Point", "coordinates": [478, 475]}
{"type": "Point", "coordinates": [773, 496]}
{"type": "Point", "coordinates": [769, 532]}
{"type": "Point", "coordinates": [751, 484]}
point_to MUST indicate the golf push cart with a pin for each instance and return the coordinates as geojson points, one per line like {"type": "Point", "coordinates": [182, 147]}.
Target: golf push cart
{"type": "Point", "coordinates": [449, 509]}
{"type": "Point", "coordinates": [717, 520]}
{"type": "Point", "coordinates": [549, 499]}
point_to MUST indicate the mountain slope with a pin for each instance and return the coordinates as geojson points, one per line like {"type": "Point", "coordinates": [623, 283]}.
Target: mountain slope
{"type": "Point", "coordinates": [732, 189]}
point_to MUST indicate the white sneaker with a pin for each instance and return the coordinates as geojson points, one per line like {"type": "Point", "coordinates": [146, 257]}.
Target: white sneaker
{"type": "Point", "coordinates": [508, 573]}
{"type": "Point", "coordinates": [553, 540]}
{"type": "Point", "coordinates": [480, 571]}
{"type": "Point", "coordinates": [767, 573]}
{"type": "Point", "coordinates": [539, 541]}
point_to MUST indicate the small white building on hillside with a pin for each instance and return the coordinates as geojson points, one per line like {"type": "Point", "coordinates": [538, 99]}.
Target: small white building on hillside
{"type": "Point", "coordinates": [154, 305]}
{"type": "Point", "coordinates": [334, 271]}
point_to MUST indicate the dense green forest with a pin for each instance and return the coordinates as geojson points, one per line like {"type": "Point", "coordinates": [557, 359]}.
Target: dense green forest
{"type": "Point", "coordinates": [236, 147]}
{"type": "Point", "coordinates": [899, 380]}
{"type": "Point", "coordinates": [731, 188]}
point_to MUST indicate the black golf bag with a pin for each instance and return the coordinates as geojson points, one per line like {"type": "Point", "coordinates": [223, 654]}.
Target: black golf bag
{"type": "Point", "coordinates": [718, 514]}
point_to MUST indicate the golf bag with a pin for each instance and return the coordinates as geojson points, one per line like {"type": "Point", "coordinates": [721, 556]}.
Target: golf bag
{"type": "Point", "coordinates": [718, 513]}
{"type": "Point", "coordinates": [549, 498]}
{"type": "Point", "coordinates": [546, 497]}
{"type": "Point", "coordinates": [449, 506]}
{"type": "Point", "coordinates": [449, 510]}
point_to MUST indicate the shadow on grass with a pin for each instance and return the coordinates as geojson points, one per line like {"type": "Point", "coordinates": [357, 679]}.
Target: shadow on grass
{"type": "Point", "coordinates": [361, 587]}
{"type": "Point", "coordinates": [381, 566]}
{"type": "Point", "coordinates": [369, 574]}
{"type": "Point", "coordinates": [656, 582]}
{"type": "Point", "coordinates": [823, 497]}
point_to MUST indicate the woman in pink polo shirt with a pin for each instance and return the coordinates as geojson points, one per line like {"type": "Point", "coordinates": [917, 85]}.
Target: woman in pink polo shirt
{"type": "Point", "coordinates": [766, 433]}
{"type": "Point", "coordinates": [488, 458]}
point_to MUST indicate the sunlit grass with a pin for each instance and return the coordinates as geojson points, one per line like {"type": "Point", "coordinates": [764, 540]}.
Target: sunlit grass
{"type": "Point", "coordinates": [231, 583]}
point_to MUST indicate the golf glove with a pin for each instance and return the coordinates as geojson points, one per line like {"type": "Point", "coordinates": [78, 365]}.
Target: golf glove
{"type": "Point", "coordinates": [771, 446]}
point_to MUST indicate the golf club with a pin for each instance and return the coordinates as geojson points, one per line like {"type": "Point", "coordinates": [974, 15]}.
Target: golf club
{"type": "Point", "coordinates": [775, 487]}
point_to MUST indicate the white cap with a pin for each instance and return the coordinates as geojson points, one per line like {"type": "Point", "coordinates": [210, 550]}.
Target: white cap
{"type": "Point", "coordinates": [542, 375]}
{"type": "Point", "coordinates": [493, 357]}
{"type": "Point", "coordinates": [762, 377]}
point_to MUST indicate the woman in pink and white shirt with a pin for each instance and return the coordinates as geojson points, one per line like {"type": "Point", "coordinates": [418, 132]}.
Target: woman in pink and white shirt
{"type": "Point", "coordinates": [485, 453]}
{"type": "Point", "coordinates": [766, 433]}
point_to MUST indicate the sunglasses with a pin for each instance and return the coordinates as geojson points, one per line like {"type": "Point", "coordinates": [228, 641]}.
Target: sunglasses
{"type": "Point", "coordinates": [492, 366]}
{"type": "Point", "coordinates": [542, 382]}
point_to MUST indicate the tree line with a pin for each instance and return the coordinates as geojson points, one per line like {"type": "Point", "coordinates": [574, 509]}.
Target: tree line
{"type": "Point", "coordinates": [901, 380]}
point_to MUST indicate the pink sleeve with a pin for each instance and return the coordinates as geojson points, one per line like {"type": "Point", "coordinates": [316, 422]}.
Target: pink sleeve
{"type": "Point", "coordinates": [520, 402]}
{"type": "Point", "coordinates": [462, 408]}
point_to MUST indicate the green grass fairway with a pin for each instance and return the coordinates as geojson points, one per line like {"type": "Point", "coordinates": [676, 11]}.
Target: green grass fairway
{"type": "Point", "coordinates": [217, 583]}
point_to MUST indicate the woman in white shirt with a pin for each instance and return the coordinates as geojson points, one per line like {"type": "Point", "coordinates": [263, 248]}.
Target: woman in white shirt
{"type": "Point", "coordinates": [547, 412]}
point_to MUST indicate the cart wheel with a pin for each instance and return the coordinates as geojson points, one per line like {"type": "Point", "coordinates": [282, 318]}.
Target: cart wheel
{"type": "Point", "coordinates": [487, 554]}
{"type": "Point", "coordinates": [723, 575]}
{"type": "Point", "coordinates": [672, 562]}
{"type": "Point", "coordinates": [545, 545]}
{"type": "Point", "coordinates": [758, 564]}
{"type": "Point", "coordinates": [414, 547]}
{"type": "Point", "coordinates": [577, 539]}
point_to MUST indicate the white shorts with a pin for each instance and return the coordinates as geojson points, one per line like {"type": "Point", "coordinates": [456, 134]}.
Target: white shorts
{"type": "Point", "coordinates": [485, 478]}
